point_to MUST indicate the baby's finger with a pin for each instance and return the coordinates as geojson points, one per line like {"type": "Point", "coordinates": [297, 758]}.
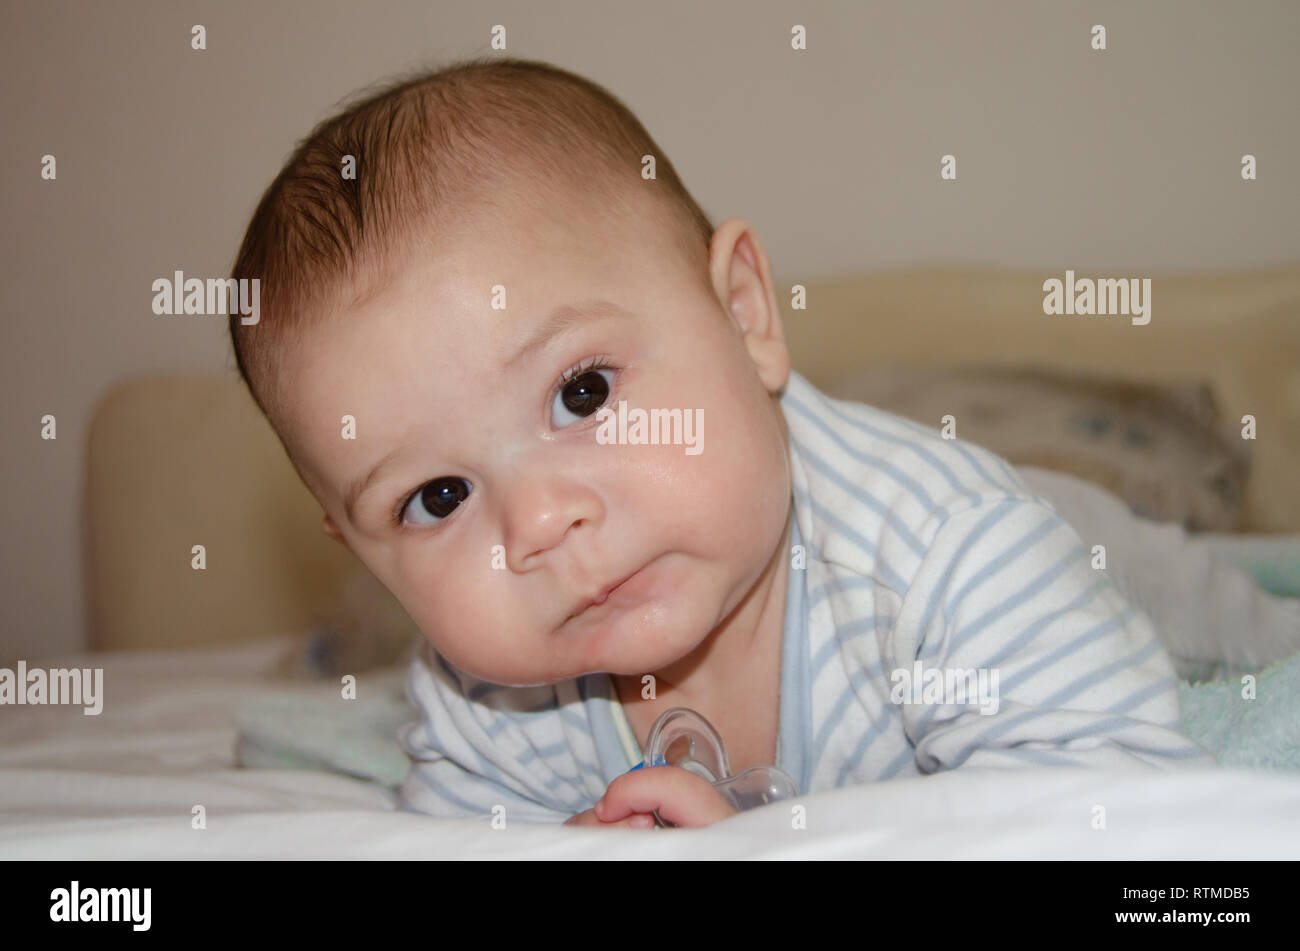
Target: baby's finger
{"type": "Point", "coordinates": [589, 818]}
{"type": "Point", "coordinates": [681, 798]}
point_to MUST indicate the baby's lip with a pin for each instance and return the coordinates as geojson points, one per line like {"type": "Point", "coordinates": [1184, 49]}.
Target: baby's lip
{"type": "Point", "coordinates": [601, 595]}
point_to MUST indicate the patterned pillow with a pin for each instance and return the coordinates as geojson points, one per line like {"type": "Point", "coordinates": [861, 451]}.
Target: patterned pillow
{"type": "Point", "coordinates": [1161, 448]}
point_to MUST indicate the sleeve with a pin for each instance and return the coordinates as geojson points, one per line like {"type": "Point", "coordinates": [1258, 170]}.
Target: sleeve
{"type": "Point", "coordinates": [1027, 654]}
{"type": "Point", "coordinates": [468, 759]}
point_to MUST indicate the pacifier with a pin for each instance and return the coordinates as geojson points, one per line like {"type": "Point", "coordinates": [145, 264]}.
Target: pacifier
{"type": "Point", "coordinates": [681, 737]}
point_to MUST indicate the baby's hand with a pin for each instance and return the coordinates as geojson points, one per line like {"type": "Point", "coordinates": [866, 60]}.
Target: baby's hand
{"type": "Point", "coordinates": [680, 797]}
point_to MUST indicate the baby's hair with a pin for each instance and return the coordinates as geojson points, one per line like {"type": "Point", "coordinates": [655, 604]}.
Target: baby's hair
{"type": "Point", "coordinates": [429, 152]}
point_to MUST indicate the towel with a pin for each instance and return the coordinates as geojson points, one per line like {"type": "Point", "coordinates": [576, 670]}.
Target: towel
{"type": "Point", "coordinates": [317, 728]}
{"type": "Point", "coordinates": [1259, 732]}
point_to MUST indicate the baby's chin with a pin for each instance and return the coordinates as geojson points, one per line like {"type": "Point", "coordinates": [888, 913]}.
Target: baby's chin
{"type": "Point", "coordinates": [643, 648]}
{"type": "Point", "coordinates": [603, 650]}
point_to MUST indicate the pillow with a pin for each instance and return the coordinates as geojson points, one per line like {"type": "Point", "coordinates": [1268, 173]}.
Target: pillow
{"type": "Point", "coordinates": [1160, 448]}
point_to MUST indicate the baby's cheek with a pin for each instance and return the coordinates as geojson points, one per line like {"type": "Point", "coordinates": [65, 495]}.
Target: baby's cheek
{"type": "Point", "coordinates": [446, 595]}
{"type": "Point", "coordinates": [470, 610]}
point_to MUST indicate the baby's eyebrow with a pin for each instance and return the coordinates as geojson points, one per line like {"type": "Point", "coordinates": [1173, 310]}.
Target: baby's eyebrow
{"type": "Point", "coordinates": [563, 318]}
{"type": "Point", "coordinates": [359, 486]}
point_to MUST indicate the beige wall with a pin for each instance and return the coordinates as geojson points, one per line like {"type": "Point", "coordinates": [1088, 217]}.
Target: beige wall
{"type": "Point", "coordinates": [1119, 162]}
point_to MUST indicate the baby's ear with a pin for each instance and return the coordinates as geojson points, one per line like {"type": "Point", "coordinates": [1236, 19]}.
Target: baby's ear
{"type": "Point", "coordinates": [329, 528]}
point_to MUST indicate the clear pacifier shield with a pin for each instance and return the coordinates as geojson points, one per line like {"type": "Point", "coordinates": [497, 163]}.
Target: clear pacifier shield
{"type": "Point", "coordinates": [681, 737]}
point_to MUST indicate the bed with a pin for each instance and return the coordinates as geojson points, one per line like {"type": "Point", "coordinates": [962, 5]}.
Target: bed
{"type": "Point", "coordinates": [125, 784]}
{"type": "Point", "coordinates": [155, 775]}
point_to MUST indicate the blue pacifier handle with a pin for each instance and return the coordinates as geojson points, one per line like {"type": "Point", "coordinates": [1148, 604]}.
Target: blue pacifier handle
{"type": "Point", "coordinates": [706, 756]}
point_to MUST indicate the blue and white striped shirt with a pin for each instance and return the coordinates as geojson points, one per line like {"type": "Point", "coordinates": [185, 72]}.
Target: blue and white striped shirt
{"type": "Point", "coordinates": [913, 550]}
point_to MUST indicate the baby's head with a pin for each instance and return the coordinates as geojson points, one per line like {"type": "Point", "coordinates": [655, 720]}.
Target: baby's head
{"type": "Point", "coordinates": [476, 487]}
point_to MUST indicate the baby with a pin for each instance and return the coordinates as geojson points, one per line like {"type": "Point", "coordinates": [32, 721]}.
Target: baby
{"type": "Point", "coordinates": [472, 283]}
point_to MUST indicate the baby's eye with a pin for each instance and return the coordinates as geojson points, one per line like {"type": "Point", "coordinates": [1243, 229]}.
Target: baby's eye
{"type": "Point", "coordinates": [438, 498]}
{"type": "Point", "coordinates": [580, 397]}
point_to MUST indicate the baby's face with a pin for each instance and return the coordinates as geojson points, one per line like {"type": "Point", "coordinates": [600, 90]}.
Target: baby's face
{"type": "Point", "coordinates": [514, 516]}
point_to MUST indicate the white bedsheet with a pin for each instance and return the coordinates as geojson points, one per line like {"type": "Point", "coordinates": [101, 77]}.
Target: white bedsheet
{"type": "Point", "coordinates": [123, 784]}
